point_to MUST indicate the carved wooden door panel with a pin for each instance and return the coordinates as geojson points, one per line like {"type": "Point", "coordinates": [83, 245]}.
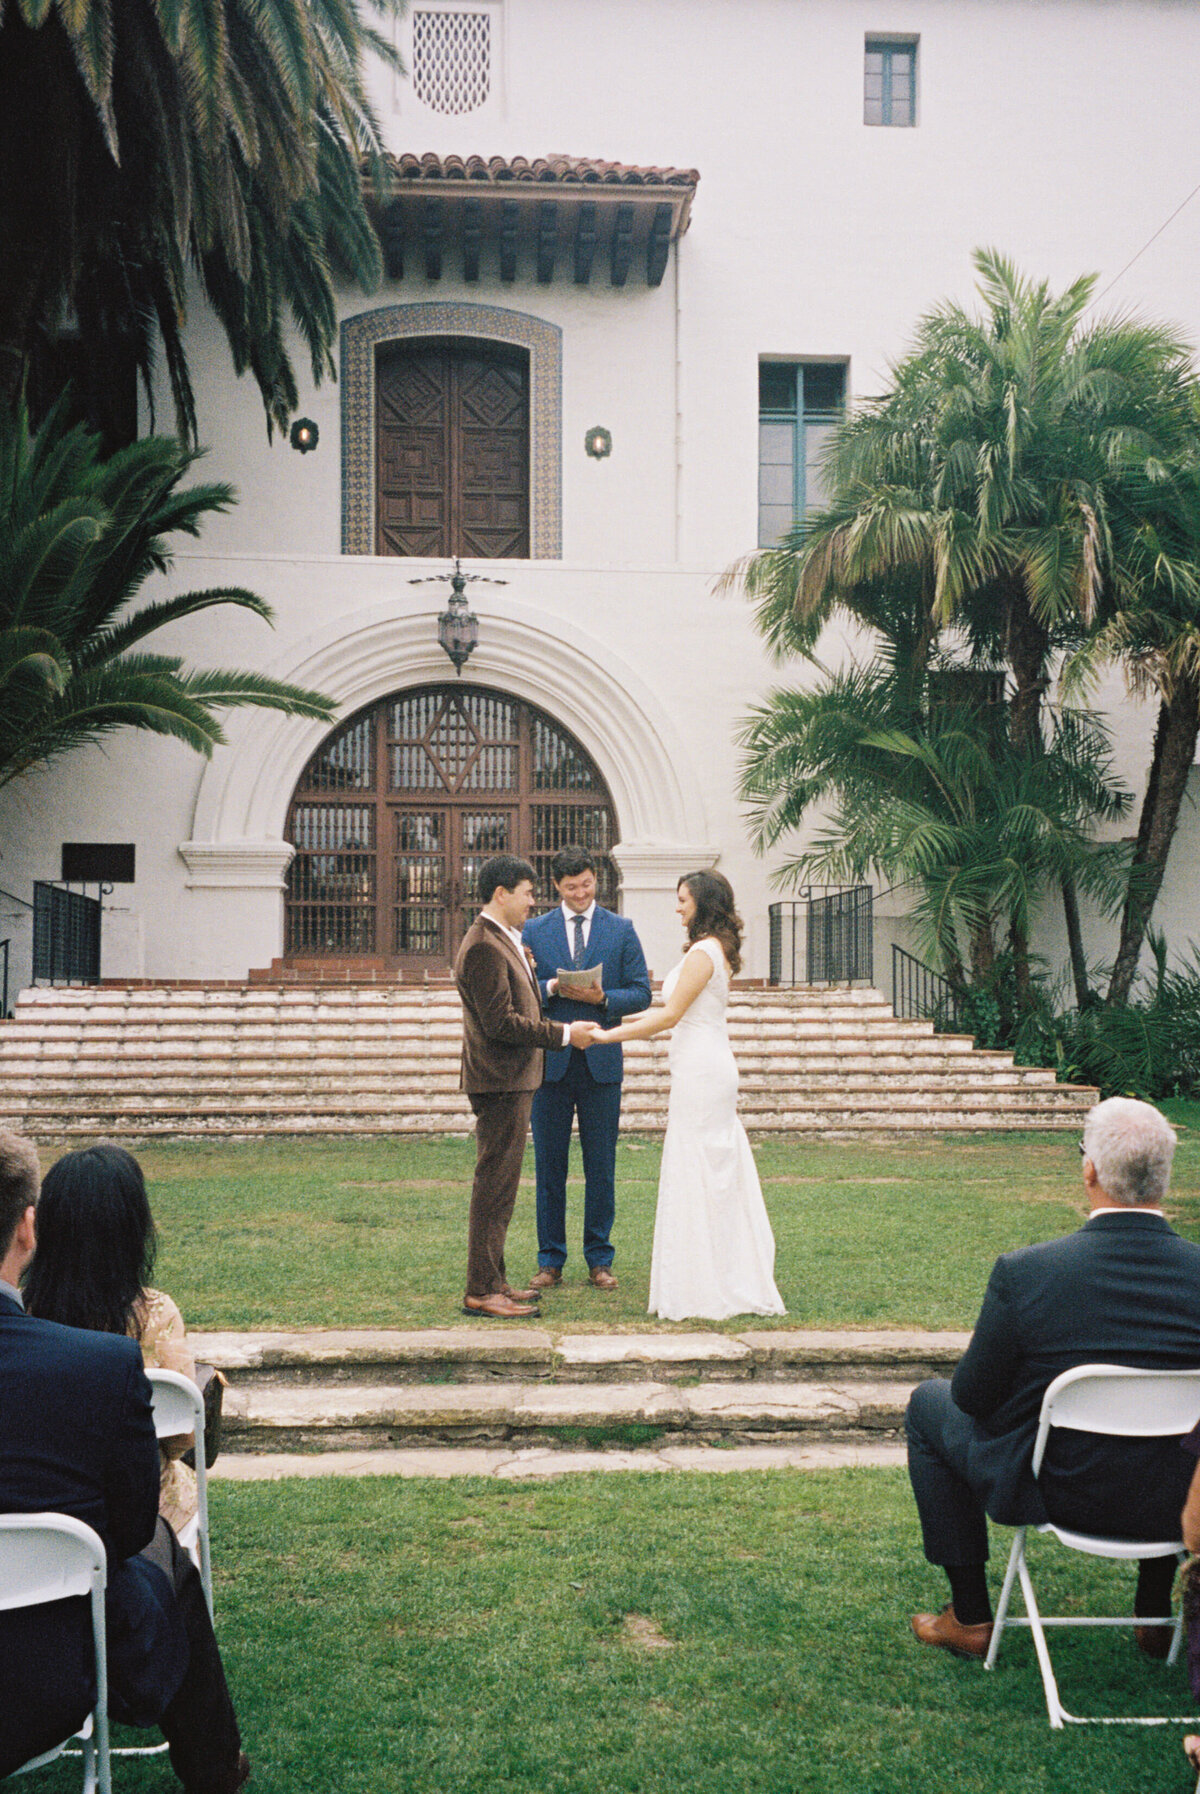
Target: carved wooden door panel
{"type": "Point", "coordinates": [452, 450]}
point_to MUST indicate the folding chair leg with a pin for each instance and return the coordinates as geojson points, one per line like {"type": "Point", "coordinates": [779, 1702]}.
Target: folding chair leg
{"type": "Point", "coordinates": [1054, 1706]}
{"type": "Point", "coordinates": [1015, 1557]}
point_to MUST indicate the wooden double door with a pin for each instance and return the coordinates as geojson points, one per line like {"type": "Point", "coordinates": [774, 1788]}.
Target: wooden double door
{"type": "Point", "coordinates": [397, 811]}
{"type": "Point", "coordinates": [452, 449]}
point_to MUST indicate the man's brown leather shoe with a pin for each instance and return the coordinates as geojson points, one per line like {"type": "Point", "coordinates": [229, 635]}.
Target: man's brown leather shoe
{"type": "Point", "coordinates": [498, 1307]}
{"type": "Point", "coordinates": [519, 1295]}
{"type": "Point", "coordinates": [601, 1277]}
{"type": "Point", "coordinates": [546, 1278]}
{"type": "Point", "coordinates": [946, 1632]}
{"type": "Point", "coordinates": [1153, 1641]}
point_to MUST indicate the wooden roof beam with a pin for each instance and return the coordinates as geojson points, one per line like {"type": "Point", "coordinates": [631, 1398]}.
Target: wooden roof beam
{"type": "Point", "coordinates": [659, 246]}
{"type": "Point", "coordinates": [472, 238]}
{"type": "Point", "coordinates": [547, 241]}
{"type": "Point", "coordinates": [509, 215]}
{"type": "Point", "coordinates": [432, 211]}
{"type": "Point", "coordinates": [585, 242]}
{"type": "Point", "coordinates": [622, 244]}
{"type": "Point", "coordinates": [392, 237]}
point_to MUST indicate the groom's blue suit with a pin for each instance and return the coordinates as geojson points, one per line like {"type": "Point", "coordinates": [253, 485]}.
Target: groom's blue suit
{"type": "Point", "coordinates": [586, 1084]}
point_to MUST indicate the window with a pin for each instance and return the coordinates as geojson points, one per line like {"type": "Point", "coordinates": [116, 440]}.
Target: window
{"type": "Point", "coordinates": [890, 81]}
{"type": "Point", "coordinates": [452, 57]}
{"type": "Point", "coordinates": [799, 406]}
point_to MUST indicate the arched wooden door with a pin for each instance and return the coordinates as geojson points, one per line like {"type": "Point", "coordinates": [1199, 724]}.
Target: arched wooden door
{"type": "Point", "coordinates": [398, 809]}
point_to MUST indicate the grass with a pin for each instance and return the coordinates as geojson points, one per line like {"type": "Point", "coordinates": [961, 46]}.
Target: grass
{"type": "Point", "coordinates": [372, 1233]}
{"type": "Point", "coordinates": [735, 1634]}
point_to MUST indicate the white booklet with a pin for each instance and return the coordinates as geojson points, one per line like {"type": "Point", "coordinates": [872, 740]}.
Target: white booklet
{"type": "Point", "coordinates": [572, 978]}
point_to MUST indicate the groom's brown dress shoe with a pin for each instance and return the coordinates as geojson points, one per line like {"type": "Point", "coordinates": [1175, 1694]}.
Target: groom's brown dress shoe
{"type": "Point", "coordinates": [499, 1307]}
{"type": "Point", "coordinates": [518, 1295]}
{"type": "Point", "coordinates": [947, 1633]}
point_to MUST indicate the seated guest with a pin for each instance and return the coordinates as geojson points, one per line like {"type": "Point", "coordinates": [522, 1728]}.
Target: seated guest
{"type": "Point", "coordinates": [95, 1252]}
{"type": "Point", "coordinates": [1124, 1289]}
{"type": "Point", "coordinates": [77, 1437]}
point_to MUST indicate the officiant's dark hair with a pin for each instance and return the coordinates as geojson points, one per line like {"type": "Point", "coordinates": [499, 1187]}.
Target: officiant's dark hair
{"type": "Point", "coordinates": [504, 870]}
{"type": "Point", "coordinates": [716, 913]}
{"type": "Point", "coordinates": [569, 862]}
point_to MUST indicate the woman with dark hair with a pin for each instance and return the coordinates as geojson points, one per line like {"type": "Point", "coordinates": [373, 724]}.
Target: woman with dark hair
{"type": "Point", "coordinates": [96, 1243]}
{"type": "Point", "coordinates": [714, 1253]}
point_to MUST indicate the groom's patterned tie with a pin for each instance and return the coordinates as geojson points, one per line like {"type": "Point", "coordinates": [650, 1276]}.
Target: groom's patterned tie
{"type": "Point", "coordinates": [578, 950]}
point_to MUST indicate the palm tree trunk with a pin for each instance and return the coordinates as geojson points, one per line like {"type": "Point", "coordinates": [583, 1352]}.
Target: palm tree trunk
{"type": "Point", "coordinates": [1174, 754]}
{"type": "Point", "coordinates": [1079, 973]}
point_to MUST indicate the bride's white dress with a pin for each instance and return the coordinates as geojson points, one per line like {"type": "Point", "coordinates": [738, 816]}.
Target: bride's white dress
{"type": "Point", "coordinates": [714, 1252]}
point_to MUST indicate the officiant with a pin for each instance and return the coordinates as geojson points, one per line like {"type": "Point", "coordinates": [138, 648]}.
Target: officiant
{"type": "Point", "coordinates": [575, 938]}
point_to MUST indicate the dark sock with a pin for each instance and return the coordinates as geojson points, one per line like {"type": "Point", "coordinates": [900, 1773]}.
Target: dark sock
{"type": "Point", "coordinates": [969, 1594]}
{"type": "Point", "coordinates": [1156, 1579]}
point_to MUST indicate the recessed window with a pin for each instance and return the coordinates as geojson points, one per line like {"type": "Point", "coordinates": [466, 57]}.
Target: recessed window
{"type": "Point", "coordinates": [452, 59]}
{"type": "Point", "coordinates": [890, 81]}
{"type": "Point", "coordinates": [800, 404]}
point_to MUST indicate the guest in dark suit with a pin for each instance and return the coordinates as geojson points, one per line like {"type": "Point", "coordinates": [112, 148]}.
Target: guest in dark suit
{"type": "Point", "coordinates": [504, 1034]}
{"type": "Point", "coordinates": [1124, 1289]}
{"type": "Point", "coordinates": [577, 932]}
{"type": "Point", "coordinates": [77, 1437]}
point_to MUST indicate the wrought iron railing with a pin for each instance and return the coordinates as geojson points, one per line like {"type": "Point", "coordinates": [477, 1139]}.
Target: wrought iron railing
{"type": "Point", "coordinates": [66, 935]}
{"type": "Point", "coordinates": [921, 994]}
{"type": "Point", "coordinates": [825, 935]}
{"type": "Point", "coordinates": [4, 946]}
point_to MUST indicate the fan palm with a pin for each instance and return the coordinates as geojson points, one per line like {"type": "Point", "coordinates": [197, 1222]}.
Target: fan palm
{"type": "Point", "coordinates": [143, 142]}
{"type": "Point", "coordinates": [79, 536]}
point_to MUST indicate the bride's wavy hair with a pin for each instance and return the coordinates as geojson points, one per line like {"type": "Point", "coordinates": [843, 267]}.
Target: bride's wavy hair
{"type": "Point", "coordinates": [716, 913]}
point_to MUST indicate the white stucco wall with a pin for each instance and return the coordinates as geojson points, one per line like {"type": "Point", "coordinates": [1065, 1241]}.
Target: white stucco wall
{"type": "Point", "coordinates": [1058, 131]}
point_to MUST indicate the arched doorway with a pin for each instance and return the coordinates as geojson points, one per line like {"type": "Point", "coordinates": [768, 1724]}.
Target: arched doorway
{"type": "Point", "coordinates": [397, 810]}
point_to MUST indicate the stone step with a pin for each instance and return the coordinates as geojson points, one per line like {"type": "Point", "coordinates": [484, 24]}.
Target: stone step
{"type": "Point", "coordinates": [359, 1416]}
{"type": "Point", "coordinates": [477, 1353]}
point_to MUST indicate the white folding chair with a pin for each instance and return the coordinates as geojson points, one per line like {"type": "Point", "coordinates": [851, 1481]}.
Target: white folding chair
{"type": "Point", "coordinates": [46, 1557]}
{"type": "Point", "coordinates": [1127, 1404]}
{"type": "Point", "coordinates": [179, 1408]}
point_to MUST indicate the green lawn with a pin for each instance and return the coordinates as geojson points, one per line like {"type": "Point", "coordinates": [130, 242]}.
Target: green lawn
{"type": "Point", "coordinates": [631, 1634]}
{"type": "Point", "coordinates": [372, 1233]}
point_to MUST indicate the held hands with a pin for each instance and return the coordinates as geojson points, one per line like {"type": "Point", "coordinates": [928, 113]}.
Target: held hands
{"type": "Point", "coordinates": [581, 1034]}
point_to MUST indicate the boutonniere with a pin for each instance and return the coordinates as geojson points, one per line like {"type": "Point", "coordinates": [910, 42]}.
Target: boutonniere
{"type": "Point", "coordinates": [532, 961]}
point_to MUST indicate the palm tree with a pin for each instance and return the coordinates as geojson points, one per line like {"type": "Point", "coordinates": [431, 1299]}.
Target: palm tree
{"type": "Point", "coordinates": [990, 479]}
{"type": "Point", "coordinates": [79, 536]}
{"type": "Point", "coordinates": [143, 143]}
{"type": "Point", "coordinates": [1152, 630]}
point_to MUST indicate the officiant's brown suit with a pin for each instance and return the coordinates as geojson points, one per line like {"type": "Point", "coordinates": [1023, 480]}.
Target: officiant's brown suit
{"type": "Point", "coordinates": [504, 1037]}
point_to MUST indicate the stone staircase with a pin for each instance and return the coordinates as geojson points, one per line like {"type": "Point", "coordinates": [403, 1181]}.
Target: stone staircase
{"type": "Point", "coordinates": [639, 1395]}
{"type": "Point", "coordinates": [241, 1061]}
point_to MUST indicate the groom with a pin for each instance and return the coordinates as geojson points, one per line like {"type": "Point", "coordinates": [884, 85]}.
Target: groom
{"type": "Point", "coordinates": [587, 1084]}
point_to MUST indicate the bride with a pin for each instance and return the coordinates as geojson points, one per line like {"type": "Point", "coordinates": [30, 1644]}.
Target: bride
{"type": "Point", "coordinates": [714, 1253]}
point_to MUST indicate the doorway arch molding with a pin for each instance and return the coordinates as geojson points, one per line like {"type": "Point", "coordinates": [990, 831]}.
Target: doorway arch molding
{"type": "Point", "coordinates": [245, 789]}
{"type": "Point", "coordinates": [363, 333]}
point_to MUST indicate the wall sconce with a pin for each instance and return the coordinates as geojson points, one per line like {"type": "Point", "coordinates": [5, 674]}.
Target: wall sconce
{"type": "Point", "coordinates": [598, 443]}
{"type": "Point", "coordinates": [304, 435]}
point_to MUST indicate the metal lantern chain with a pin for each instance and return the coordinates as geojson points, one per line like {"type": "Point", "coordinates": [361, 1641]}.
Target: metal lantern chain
{"type": "Point", "coordinates": [458, 626]}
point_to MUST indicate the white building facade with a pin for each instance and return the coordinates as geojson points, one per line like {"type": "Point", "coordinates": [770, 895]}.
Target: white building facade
{"type": "Point", "coordinates": [640, 253]}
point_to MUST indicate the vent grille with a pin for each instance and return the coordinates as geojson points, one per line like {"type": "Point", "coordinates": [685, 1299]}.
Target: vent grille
{"type": "Point", "coordinates": [452, 60]}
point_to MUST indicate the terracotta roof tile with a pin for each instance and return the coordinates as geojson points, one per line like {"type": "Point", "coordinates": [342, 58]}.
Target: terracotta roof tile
{"type": "Point", "coordinates": [561, 170]}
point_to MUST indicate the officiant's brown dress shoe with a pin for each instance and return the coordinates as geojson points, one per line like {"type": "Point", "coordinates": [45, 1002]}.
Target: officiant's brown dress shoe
{"type": "Point", "coordinates": [499, 1307]}
{"type": "Point", "coordinates": [947, 1633]}
{"type": "Point", "coordinates": [546, 1278]}
{"type": "Point", "coordinates": [601, 1277]}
